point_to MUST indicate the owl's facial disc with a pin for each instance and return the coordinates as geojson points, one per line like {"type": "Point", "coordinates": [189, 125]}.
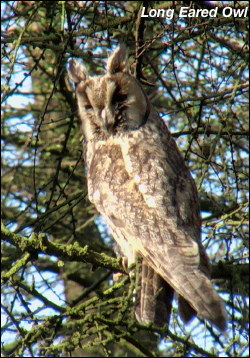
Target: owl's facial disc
{"type": "Point", "coordinates": [111, 105]}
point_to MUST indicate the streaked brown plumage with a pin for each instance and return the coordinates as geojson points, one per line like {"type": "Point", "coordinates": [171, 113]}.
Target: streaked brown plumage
{"type": "Point", "coordinates": [139, 183]}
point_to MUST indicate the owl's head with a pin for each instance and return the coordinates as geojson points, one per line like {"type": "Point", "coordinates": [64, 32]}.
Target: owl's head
{"type": "Point", "coordinates": [112, 103]}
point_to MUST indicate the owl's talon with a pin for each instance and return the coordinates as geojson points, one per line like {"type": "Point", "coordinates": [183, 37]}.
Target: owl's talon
{"type": "Point", "coordinates": [125, 263]}
{"type": "Point", "coordinates": [119, 275]}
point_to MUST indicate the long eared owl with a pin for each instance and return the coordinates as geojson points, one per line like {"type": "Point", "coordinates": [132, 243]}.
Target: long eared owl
{"type": "Point", "coordinates": [138, 181]}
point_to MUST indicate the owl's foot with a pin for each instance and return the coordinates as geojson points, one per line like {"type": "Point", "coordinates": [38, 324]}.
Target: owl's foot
{"type": "Point", "coordinates": [119, 275]}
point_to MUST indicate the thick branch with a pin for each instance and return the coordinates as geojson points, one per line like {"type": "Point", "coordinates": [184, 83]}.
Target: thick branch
{"type": "Point", "coordinates": [39, 243]}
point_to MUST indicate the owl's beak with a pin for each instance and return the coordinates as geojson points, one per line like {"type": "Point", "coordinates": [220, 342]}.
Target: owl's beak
{"type": "Point", "coordinates": [108, 119]}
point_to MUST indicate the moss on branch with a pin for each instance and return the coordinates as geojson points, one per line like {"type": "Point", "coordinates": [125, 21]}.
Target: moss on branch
{"type": "Point", "coordinates": [40, 244]}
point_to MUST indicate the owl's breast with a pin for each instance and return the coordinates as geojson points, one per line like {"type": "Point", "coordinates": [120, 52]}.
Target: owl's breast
{"type": "Point", "coordinates": [107, 175]}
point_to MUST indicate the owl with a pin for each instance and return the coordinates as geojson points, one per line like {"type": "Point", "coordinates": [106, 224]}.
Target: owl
{"type": "Point", "coordinates": [139, 183]}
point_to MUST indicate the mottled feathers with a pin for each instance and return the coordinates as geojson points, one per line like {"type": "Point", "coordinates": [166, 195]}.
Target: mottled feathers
{"type": "Point", "coordinates": [141, 186]}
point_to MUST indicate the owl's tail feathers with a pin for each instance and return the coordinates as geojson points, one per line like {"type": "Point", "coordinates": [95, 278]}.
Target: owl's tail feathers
{"type": "Point", "coordinates": [155, 298]}
{"type": "Point", "coordinates": [186, 311]}
{"type": "Point", "coordinates": [203, 299]}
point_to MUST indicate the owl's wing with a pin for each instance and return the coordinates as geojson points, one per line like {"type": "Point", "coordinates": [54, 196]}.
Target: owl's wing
{"type": "Point", "coordinates": [148, 198]}
{"type": "Point", "coordinates": [195, 290]}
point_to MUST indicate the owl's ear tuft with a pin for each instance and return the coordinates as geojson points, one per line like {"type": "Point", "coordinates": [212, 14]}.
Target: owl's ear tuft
{"type": "Point", "coordinates": [77, 71]}
{"type": "Point", "coordinates": [118, 60]}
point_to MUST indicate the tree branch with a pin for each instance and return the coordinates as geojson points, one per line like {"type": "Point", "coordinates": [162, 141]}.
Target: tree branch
{"type": "Point", "coordinates": [39, 243]}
